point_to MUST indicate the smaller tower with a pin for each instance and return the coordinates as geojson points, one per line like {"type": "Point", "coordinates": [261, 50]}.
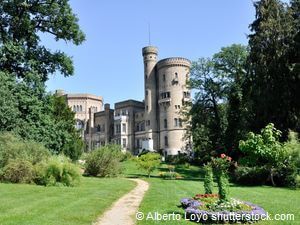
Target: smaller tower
{"type": "Point", "coordinates": [150, 59]}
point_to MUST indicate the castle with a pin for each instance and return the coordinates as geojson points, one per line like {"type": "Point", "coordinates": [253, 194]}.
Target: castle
{"type": "Point", "coordinates": [154, 124]}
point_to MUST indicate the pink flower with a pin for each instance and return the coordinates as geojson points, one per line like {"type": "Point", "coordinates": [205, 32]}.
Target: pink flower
{"type": "Point", "coordinates": [223, 156]}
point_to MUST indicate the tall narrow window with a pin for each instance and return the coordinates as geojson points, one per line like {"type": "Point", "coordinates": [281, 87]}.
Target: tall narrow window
{"type": "Point", "coordinates": [80, 108]}
{"type": "Point", "coordinates": [176, 122]}
{"type": "Point", "coordinates": [124, 127]}
{"type": "Point", "coordinates": [164, 77]}
{"type": "Point", "coordinates": [165, 123]}
{"type": "Point", "coordinates": [180, 122]}
{"type": "Point", "coordinates": [77, 108]}
{"type": "Point", "coordinates": [166, 141]}
{"type": "Point", "coordinates": [74, 108]}
{"type": "Point", "coordinates": [124, 143]}
{"type": "Point", "coordinates": [176, 75]}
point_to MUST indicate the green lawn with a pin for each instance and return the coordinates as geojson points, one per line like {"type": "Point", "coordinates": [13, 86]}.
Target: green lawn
{"type": "Point", "coordinates": [164, 195]}
{"type": "Point", "coordinates": [22, 204]}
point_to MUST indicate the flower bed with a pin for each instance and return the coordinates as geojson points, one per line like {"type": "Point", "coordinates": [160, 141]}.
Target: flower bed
{"type": "Point", "coordinates": [208, 208]}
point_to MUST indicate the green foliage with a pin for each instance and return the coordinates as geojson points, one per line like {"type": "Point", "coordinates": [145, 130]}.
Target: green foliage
{"type": "Point", "coordinates": [149, 162]}
{"type": "Point", "coordinates": [18, 171]}
{"type": "Point", "coordinates": [217, 112]}
{"type": "Point", "coordinates": [126, 156]}
{"type": "Point", "coordinates": [104, 162]}
{"type": "Point", "coordinates": [12, 147]}
{"type": "Point", "coordinates": [220, 168]}
{"type": "Point", "coordinates": [251, 175]}
{"type": "Point", "coordinates": [263, 148]}
{"type": "Point", "coordinates": [272, 83]}
{"type": "Point", "coordinates": [208, 179]}
{"type": "Point", "coordinates": [57, 171]}
{"type": "Point", "coordinates": [26, 108]}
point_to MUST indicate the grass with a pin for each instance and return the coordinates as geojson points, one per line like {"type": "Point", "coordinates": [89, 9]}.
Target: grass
{"type": "Point", "coordinates": [22, 204]}
{"type": "Point", "coordinates": [164, 196]}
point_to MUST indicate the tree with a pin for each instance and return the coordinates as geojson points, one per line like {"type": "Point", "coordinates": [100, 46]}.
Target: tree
{"type": "Point", "coordinates": [25, 66]}
{"type": "Point", "coordinates": [218, 108]}
{"type": "Point", "coordinates": [148, 162]}
{"type": "Point", "coordinates": [273, 79]}
{"type": "Point", "coordinates": [264, 149]}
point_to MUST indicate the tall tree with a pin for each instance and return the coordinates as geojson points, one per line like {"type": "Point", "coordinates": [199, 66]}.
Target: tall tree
{"type": "Point", "coordinates": [271, 84]}
{"type": "Point", "coordinates": [26, 64]}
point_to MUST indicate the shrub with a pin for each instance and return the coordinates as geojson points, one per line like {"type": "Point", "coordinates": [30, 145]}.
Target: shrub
{"type": "Point", "coordinates": [57, 171]}
{"type": "Point", "coordinates": [12, 147]}
{"type": "Point", "coordinates": [250, 175]}
{"type": "Point", "coordinates": [148, 162]}
{"type": "Point", "coordinates": [126, 156]}
{"type": "Point", "coordinates": [104, 162]}
{"type": "Point", "coordinates": [208, 179]}
{"type": "Point", "coordinates": [18, 171]}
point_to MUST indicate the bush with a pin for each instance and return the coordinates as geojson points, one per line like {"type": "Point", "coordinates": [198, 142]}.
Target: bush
{"type": "Point", "coordinates": [104, 162]}
{"type": "Point", "coordinates": [12, 147]}
{"type": "Point", "coordinates": [126, 156]}
{"type": "Point", "coordinates": [148, 162]}
{"type": "Point", "coordinates": [18, 171]}
{"type": "Point", "coordinates": [208, 179]}
{"type": "Point", "coordinates": [57, 171]}
{"type": "Point", "coordinates": [251, 175]}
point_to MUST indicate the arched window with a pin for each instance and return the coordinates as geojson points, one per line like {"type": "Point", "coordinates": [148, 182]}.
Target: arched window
{"type": "Point", "coordinates": [176, 122]}
{"type": "Point", "coordinates": [77, 108]}
{"type": "Point", "coordinates": [80, 108]}
{"type": "Point", "coordinates": [74, 108]}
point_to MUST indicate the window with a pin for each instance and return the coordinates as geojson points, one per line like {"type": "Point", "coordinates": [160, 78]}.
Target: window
{"type": "Point", "coordinates": [146, 92]}
{"type": "Point", "coordinates": [164, 77]}
{"type": "Point", "coordinates": [124, 127]}
{"type": "Point", "coordinates": [186, 94]}
{"type": "Point", "coordinates": [77, 108]}
{"type": "Point", "coordinates": [118, 128]}
{"type": "Point", "coordinates": [124, 143]}
{"type": "Point", "coordinates": [165, 123]}
{"type": "Point", "coordinates": [176, 122]}
{"type": "Point", "coordinates": [74, 108]}
{"type": "Point", "coordinates": [164, 95]}
{"type": "Point", "coordinates": [147, 108]}
{"type": "Point", "coordinates": [176, 75]}
{"type": "Point", "coordinates": [80, 108]}
{"type": "Point", "coordinates": [166, 141]}
{"type": "Point", "coordinates": [180, 122]}
{"type": "Point", "coordinates": [98, 128]}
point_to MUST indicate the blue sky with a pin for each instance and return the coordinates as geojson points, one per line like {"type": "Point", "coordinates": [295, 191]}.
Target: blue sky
{"type": "Point", "coordinates": [109, 62]}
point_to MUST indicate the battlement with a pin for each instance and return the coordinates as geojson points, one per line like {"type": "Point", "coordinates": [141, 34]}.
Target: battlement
{"type": "Point", "coordinates": [150, 50]}
{"type": "Point", "coordinates": [174, 61]}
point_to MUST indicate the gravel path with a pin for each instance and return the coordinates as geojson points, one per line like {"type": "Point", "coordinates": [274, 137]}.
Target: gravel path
{"type": "Point", "coordinates": [123, 210]}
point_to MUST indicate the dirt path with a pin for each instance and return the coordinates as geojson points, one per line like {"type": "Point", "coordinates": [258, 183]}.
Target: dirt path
{"type": "Point", "coordinates": [123, 210]}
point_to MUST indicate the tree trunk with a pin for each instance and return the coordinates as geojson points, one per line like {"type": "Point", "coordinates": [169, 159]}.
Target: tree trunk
{"type": "Point", "coordinates": [272, 176]}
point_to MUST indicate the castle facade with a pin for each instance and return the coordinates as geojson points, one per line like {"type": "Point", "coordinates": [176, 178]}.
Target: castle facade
{"type": "Point", "coordinates": [154, 124]}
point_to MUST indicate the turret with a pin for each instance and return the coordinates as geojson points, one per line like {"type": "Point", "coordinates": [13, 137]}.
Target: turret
{"type": "Point", "coordinates": [150, 60]}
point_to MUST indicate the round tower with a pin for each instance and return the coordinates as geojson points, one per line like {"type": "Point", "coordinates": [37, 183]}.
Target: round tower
{"type": "Point", "coordinates": [150, 60]}
{"type": "Point", "coordinates": [173, 94]}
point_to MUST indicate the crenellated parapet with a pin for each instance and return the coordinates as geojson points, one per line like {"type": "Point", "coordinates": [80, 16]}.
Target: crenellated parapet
{"type": "Point", "coordinates": [174, 61]}
{"type": "Point", "coordinates": [150, 50]}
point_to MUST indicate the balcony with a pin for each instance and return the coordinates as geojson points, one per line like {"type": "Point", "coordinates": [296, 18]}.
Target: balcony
{"type": "Point", "coordinates": [164, 100]}
{"type": "Point", "coordinates": [120, 118]}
